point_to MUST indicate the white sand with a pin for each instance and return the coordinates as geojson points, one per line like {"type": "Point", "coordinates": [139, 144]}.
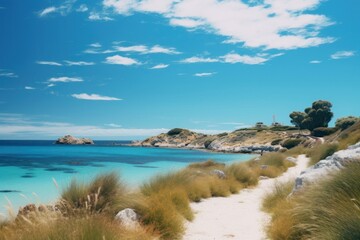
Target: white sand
{"type": "Point", "coordinates": [238, 216]}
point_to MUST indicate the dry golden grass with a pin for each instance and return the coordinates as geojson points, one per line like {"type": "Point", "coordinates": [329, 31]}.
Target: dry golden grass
{"type": "Point", "coordinates": [321, 151]}
{"type": "Point", "coordinates": [73, 228]}
{"type": "Point", "coordinates": [328, 210]}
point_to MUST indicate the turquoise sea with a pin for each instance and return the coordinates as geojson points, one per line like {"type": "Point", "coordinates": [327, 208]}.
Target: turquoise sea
{"type": "Point", "coordinates": [36, 171]}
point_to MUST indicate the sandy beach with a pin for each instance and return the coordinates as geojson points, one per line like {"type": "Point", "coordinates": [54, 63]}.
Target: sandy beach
{"type": "Point", "coordinates": [238, 216]}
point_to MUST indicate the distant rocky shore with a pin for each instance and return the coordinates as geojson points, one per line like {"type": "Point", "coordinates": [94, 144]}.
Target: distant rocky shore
{"type": "Point", "coordinates": [70, 140]}
{"type": "Point", "coordinates": [239, 141]}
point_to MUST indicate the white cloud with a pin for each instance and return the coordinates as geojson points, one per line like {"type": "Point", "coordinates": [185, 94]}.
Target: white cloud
{"type": "Point", "coordinates": [135, 48]}
{"type": "Point", "coordinates": [268, 24]}
{"type": "Point", "coordinates": [157, 6]}
{"type": "Point", "coordinates": [95, 45]}
{"type": "Point", "coordinates": [94, 97]}
{"type": "Point", "coordinates": [47, 11]}
{"type": "Point", "coordinates": [146, 50]}
{"type": "Point", "coordinates": [48, 63]}
{"type": "Point", "coordinates": [315, 62]}
{"type": "Point", "coordinates": [199, 60]}
{"type": "Point", "coordinates": [64, 9]}
{"type": "Point", "coordinates": [113, 125]}
{"type": "Point", "coordinates": [8, 74]}
{"type": "Point", "coordinates": [205, 74]}
{"type": "Point", "coordinates": [160, 49]}
{"type": "Point", "coordinates": [236, 58]}
{"type": "Point", "coordinates": [51, 85]}
{"type": "Point", "coordinates": [79, 63]}
{"type": "Point", "coordinates": [65, 79]}
{"type": "Point", "coordinates": [160, 66]}
{"type": "Point", "coordinates": [342, 54]}
{"type": "Point", "coordinates": [82, 8]}
{"type": "Point", "coordinates": [186, 22]}
{"type": "Point", "coordinates": [29, 88]}
{"type": "Point", "coordinates": [116, 59]}
{"type": "Point", "coordinates": [94, 16]}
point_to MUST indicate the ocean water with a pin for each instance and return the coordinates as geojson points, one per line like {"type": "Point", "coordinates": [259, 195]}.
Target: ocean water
{"type": "Point", "coordinates": [36, 171]}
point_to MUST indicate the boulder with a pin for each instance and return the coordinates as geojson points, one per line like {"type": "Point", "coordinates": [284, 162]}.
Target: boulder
{"type": "Point", "coordinates": [68, 139]}
{"type": "Point", "coordinates": [128, 218]}
{"type": "Point", "coordinates": [327, 166]}
{"type": "Point", "coordinates": [220, 174]}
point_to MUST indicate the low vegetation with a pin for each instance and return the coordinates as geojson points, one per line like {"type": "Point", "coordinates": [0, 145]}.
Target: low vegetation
{"type": "Point", "coordinates": [328, 210]}
{"type": "Point", "coordinates": [321, 151]}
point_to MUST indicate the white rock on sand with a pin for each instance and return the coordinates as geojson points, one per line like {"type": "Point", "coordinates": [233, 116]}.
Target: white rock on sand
{"type": "Point", "coordinates": [238, 216]}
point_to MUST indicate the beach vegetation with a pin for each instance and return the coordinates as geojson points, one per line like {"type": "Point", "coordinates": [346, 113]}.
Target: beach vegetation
{"type": "Point", "coordinates": [346, 122]}
{"type": "Point", "coordinates": [318, 115]}
{"type": "Point", "coordinates": [321, 151]}
{"type": "Point", "coordinates": [329, 209]}
{"type": "Point", "coordinates": [323, 131]}
{"type": "Point", "coordinates": [291, 142]}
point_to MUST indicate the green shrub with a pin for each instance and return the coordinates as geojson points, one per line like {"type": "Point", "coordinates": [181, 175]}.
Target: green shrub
{"type": "Point", "coordinates": [323, 131]}
{"type": "Point", "coordinates": [346, 122]}
{"type": "Point", "coordinates": [175, 131]}
{"type": "Point", "coordinates": [292, 142]}
{"type": "Point", "coordinates": [276, 142]}
{"type": "Point", "coordinates": [321, 151]}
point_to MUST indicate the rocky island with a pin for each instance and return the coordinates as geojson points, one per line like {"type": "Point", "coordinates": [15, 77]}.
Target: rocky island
{"type": "Point", "coordinates": [70, 140]}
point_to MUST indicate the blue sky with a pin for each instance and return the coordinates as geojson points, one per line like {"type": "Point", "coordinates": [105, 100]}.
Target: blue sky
{"type": "Point", "coordinates": [126, 69]}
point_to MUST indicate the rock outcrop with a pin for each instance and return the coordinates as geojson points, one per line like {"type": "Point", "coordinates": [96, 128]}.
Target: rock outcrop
{"type": "Point", "coordinates": [325, 167]}
{"type": "Point", "coordinates": [68, 139]}
{"type": "Point", "coordinates": [239, 141]}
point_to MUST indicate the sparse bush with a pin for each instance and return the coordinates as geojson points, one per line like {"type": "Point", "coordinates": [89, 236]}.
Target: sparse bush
{"type": "Point", "coordinates": [323, 131]}
{"type": "Point", "coordinates": [292, 142]}
{"type": "Point", "coordinates": [321, 151]}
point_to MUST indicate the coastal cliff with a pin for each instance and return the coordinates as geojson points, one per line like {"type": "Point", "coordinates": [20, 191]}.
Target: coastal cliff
{"type": "Point", "coordinates": [239, 141]}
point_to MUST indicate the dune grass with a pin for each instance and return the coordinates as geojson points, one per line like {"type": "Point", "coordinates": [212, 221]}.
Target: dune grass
{"type": "Point", "coordinates": [321, 151]}
{"type": "Point", "coordinates": [328, 210]}
{"type": "Point", "coordinates": [105, 193]}
{"type": "Point", "coordinates": [73, 228]}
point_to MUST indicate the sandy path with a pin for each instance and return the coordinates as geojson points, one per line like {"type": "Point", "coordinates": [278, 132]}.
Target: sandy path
{"type": "Point", "coordinates": [238, 216]}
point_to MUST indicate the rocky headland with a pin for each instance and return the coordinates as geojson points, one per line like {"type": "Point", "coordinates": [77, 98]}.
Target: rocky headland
{"type": "Point", "coordinates": [68, 139]}
{"type": "Point", "coordinates": [239, 141]}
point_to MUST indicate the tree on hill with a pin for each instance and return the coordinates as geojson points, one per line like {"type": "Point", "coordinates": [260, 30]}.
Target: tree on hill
{"type": "Point", "coordinates": [318, 115]}
{"type": "Point", "coordinates": [297, 118]}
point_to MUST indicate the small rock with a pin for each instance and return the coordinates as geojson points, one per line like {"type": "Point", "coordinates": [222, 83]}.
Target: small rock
{"type": "Point", "coordinates": [128, 218]}
{"type": "Point", "coordinates": [263, 178]}
{"type": "Point", "coordinates": [219, 173]}
{"type": "Point", "coordinates": [291, 159]}
{"type": "Point", "coordinates": [263, 167]}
